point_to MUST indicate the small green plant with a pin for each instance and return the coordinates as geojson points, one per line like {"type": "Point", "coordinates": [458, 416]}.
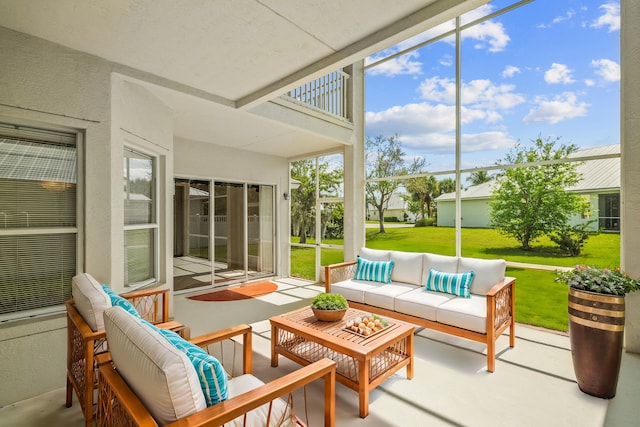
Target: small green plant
{"type": "Point", "coordinates": [571, 238]}
{"type": "Point", "coordinates": [326, 301]}
{"type": "Point", "coordinates": [599, 280]}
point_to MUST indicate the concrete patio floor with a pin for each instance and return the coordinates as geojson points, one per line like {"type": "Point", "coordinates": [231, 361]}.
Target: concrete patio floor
{"type": "Point", "coordinates": [533, 384]}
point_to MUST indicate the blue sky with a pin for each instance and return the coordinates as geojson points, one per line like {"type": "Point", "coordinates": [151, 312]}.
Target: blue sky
{"type": "Point", "coordinates": [549, 68]}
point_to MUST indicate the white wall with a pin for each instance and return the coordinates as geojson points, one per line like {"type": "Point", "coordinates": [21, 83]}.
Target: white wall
{"type": "Point", "coordinates": [46, 85]}
{"type": "Point", "coordinates": [630, 152]}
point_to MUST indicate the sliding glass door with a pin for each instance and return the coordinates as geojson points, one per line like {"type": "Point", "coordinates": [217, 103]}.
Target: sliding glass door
{"type": "Point", "coordinates": [234, 243]}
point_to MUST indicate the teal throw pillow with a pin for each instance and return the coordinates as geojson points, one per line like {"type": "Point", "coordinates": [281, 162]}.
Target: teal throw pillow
{"type": "Point", "coordinates": [451, 283]}
{"type": "Point", "coordinates": [211, 373]}
{"type": "Point", "coordinates": [376, 271]}
{"type": "Point", "coordinates": [119, 301]}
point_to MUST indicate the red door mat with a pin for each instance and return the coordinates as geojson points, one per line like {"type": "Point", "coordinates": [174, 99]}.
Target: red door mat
{"type": "Point", "coordinates": [239, 293]}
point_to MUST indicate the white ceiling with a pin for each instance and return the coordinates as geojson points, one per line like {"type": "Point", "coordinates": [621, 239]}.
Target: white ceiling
{"type": "Point", "coordinates": [219, 58]}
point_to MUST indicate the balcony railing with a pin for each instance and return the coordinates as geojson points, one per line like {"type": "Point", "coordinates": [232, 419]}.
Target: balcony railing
{"type": "Point", "coordinates": [327, 94]}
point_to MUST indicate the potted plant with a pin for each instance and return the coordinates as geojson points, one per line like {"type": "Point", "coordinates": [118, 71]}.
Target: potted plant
{"type": "Point", "coordinates": [596, 325]}
{"type": "Point", "coordinates": [329, 307]}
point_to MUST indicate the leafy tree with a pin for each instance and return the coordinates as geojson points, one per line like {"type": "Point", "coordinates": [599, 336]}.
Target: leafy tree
{"type": "Point", "coordinates": [422, 190]}
{"type": "Point", "coordinates": [384, 159]}
{"type": "Point", "coordinates": [531, 201]}
{"type": "Point", "coordinates": [447, 185]}
{"type": "Point", "coordinates": [479, 177]}
{"type": "Point", "coordinates": [303, 199]}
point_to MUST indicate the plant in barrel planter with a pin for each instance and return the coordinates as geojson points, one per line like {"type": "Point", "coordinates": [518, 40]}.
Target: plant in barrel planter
{"type": "Point", "coordinates": [596, 325]}
{"type": "Point", "coordinates": [329, 307]}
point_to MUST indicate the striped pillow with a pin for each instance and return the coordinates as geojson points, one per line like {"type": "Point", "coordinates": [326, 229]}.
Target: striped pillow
{"type": "Point", "coordinates": [117, 300]}
{"type": "Point", "coordinates": [213, 378]}
{"type": "Point", "coordinates": [376, 271]}
{"type": "Point", "coordinates": [451, 283]}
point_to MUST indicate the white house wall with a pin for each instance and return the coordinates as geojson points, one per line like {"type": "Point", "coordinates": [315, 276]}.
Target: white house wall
{"type": "Point", "coordinates": [45, 85]}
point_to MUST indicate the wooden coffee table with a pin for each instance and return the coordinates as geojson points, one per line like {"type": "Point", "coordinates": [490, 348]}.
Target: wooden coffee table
{"type": "Point", "coordinates": [362, 363]}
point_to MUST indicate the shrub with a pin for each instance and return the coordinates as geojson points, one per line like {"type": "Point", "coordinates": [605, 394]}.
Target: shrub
{"type": "Point", "coordinates": [571, 239]}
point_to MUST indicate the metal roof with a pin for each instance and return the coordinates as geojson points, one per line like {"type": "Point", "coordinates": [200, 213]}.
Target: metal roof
{"type": "Point", "coordinates": [597, 175]}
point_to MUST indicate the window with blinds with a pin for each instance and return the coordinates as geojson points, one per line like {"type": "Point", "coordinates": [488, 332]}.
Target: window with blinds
{"type": "Point", "coordinates": [38, 211]}
{"type": "Point", "coordinates": [140, 225]}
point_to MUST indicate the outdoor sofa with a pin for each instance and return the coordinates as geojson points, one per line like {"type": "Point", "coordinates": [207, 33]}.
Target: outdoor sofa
{"type": "Point", "coordinates": [467, 297]}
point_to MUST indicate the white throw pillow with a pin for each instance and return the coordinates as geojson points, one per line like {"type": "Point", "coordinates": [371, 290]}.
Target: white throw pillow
{"type": "Point", "coordinates": [90, 300]}
{"type": "Point", "coordinates": [160, 375]}
{"type": "Point", "coordinates": [407, 267]}
{"type": "Point", "coordinates": [488, 273]}
{"type": "Point", "coordinates": [375, 254]}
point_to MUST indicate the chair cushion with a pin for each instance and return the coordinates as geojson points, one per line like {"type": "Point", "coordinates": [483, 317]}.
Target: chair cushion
{"type": "Point", "coordinates": [488, 273]}
{"type": "Point", "coordinates": [281, 413]}
{"type": "Point", "coordinates": [375, 271]}
{"type": "Point", "coordinates": [407, 267]}
{"type": "Point", "coordinates": [375, 254]}
{"type": "Point", "coordinates": [117, 300]}
{"type": "Point", "coordinates": [352, 290]}
{"type": "Point", "coordinates": [450, 283]}
{"type": "Point", "coordinates": [211, 373]}
{"type": "Point", "coordinates": [421, 303]}
{"type": "Point", "coordinates": [90, 300]}
{"type": "Point", "coordinates": [464, 313]}
{"type": "Point", "coordinates": [383, 296]}
{"type": "Point", "coordinates": [160, 375]}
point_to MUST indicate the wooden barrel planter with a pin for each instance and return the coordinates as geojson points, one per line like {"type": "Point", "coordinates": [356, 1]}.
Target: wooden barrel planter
{"type": "Point", "coordinates": [596, 330]}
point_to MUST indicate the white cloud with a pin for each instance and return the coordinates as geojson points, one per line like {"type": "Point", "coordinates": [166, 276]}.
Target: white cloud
{"type": "Point", "coordinates": [589, 82]}
{"type": "Point", "coordinates": [558, 73]}
{"type": "Point", "coordinates": [607, 69]}
{"type": "Point", "coordinates": [404, 64]}
{"type": "Point", "coordinates": [610, 17]}
{"type": "Point", "coordinates": [490, 35]}
{"type": "Point", "coordinates": [476, 93]}
{"type": "Point", "coordinates": [561, 107]}
{"type": "Point", "coordinates": [570, 13]}
{"type": "Point", "coordinates": [510, 71]}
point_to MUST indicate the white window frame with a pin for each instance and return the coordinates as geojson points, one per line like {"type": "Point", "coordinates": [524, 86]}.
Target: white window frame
{"type": "Point", "coordinates": [78, 230]}
{"type": "Point", "coordinates": [148, 226]}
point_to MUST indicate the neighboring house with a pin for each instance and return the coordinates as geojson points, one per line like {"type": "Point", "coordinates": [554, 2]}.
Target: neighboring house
{"type": "Point", "coordinates": [396, 207]}
{"type": "Point", "coordinates": [600, 185]}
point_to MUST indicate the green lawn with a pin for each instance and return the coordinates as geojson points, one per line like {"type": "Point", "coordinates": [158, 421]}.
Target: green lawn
{"type": "Point", "coordinates": [540, 301]}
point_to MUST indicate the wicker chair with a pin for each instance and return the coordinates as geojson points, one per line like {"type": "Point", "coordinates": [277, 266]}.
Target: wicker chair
{"type": "Point", "coordinates": [84, 343]}
{"type": "Point", "coordinates": [146, 358]}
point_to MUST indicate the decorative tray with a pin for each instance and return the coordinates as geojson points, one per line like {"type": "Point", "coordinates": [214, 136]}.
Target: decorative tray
{"type": "Point", "coordinates": [366, 327]}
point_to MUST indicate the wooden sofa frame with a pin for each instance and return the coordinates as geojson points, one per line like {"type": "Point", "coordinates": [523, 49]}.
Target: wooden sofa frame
{"type": "Point", "coordinates": [500, 311]}
{"type": "Point", "coordinates": [119, 405]}
{"type": "Point", "coordinates": [83, 344]}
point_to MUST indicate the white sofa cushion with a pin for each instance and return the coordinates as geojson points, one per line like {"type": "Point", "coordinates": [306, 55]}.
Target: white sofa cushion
{"type": "Point", "coordinates": [383, 296]}
{"type": "Point", "coordinates": [488, 272]}
{"type": "Point", "coordinates": [407, 267]}
{"type": "Point", "coordinates": [280, 411]}
{"type": "Point", "coordinates": [353, 290]}
{"type": "Point", "coordinates": [90, 300]}
{"type": "Point", "coordinates": [421, 303]}
{"type": "Point", "coordinates": [444, 263]}
{"type": "Point", "coordinates": [160, 375]}
{"type": "Point", "coordinates": [375, 254]}
{"type": "Point", "coordinates": [467, 313]}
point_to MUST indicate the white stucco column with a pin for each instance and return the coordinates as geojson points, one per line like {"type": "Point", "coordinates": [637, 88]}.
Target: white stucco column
{"type": "Point", "coordinates": [354, 198]}
{"type": "Point", "coordinates": [630, 152]}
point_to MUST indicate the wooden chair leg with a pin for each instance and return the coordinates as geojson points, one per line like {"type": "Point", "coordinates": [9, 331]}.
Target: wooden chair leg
{"type": "Point", "coordinates": [69, 401]}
